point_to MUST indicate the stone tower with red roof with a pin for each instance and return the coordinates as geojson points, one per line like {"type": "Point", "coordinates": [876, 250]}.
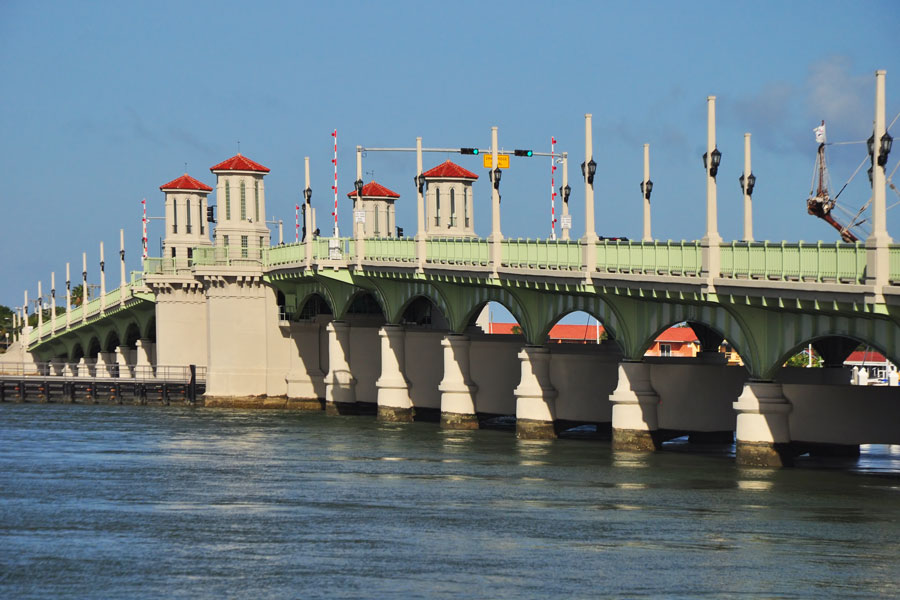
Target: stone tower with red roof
{"type": "Point", "coordinates": [377, 203]}
{"type": "Point", "coordinates": [241, 203]}
{"type": "Point", "coordinates": [186, 226]}
{"type": "Point", "coordinates": [449, 201]}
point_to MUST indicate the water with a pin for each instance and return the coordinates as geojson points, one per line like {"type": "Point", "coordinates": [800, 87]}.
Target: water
{"type": "Point", "coordinates": [134, 502]}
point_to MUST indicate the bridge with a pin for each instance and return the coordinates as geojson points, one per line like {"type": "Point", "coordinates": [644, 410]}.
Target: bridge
{"type": "Point", "coordinates": [390, 324]}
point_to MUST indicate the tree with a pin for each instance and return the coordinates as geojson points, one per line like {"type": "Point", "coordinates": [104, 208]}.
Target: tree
{"type": "Point", "coordinates": [801, 359]}
{"type": "Point", "coordinates": [77, 295]}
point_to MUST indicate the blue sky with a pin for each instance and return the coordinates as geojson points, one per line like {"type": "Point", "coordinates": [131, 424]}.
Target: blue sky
{"type": "Point", "coordinates": [105, 101]}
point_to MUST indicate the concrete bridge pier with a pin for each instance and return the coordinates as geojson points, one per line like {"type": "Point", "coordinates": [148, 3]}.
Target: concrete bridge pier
{"type": "Point", "coordinates": [123, 353]}
{"type": "Point", "coordinates": [305, 380]}
{"type": "Point", "coordinates": [340, 385]}
{"type": "Point", "coordinates": [535, 396]}
{"type": "Point", "coordinates": [106, 362]}
{"type": "Point", "coordinates": [144, 357]}
{"type": "Point", "coordinates": [763, 430]}
{"type": "Point", "coordinates": [57, 367]}
{"type": "Point", "coordinates": [394, 404]}
{"type": "Point", "coordinates": [457, 389]}
{"type": "Point", "coordinates": [635, 424]}
{"type": "Point", "coordinates": [71, 370]}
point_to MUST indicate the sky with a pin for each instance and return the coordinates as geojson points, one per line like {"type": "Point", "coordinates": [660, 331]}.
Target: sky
{"type": "Point", "coordinates": [103, 102]}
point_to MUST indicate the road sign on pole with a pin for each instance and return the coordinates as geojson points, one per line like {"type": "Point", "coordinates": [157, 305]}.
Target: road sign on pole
{"type": "Point", "coordinates": [503, 159]}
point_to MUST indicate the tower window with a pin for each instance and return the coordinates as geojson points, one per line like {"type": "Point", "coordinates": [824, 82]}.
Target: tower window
{"type": "Point", "coordinates": [437, 207]}
{"type": "Point", "coordinates": [174, 216]}
{"type": "Point", "coordinates": [227, 201]}
{"type": "Point", "coordinates": [243, 201]}
{"type": "Point", "coordinates": [187, 203]}
{"type": "Point", "coordinates": [201, 217]}
{"type": "Point", "coordinates": [466, 205]}
{"type": "Point", "coordinates": [244, 245]}
{"type": "Point", "coordinates": [256, 198]}
{"type": "Point", "coordinates": [377, 229]}
{"type": "Point", "coordinates": [452, 208]}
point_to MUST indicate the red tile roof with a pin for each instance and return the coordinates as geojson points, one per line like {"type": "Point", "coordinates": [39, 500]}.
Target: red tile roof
{"type": "Point", "coordinates": [375, 190]}
{"type": "Point", "coordinates": [677, 334]}
{"type": "Point", "coordinates": [239, 162]}
{"type": "Point", "coordinates": [449, 170]}
{"type": "Point", "coordinates": [186, 182]}
{"type": "Point", "coordinates": [558, 332]}
{"type": "Point", "coordinates": [869, 356]}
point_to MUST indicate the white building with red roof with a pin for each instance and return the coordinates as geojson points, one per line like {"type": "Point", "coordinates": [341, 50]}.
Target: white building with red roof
{"type": "Point", "coordinates": [186, 226]}
{"type": "Point", "coordinates": [376, 202]}
{"type": "Point", "coordinates": [449, 201]}
{"type": "Point", "coordinates": [241, 201]}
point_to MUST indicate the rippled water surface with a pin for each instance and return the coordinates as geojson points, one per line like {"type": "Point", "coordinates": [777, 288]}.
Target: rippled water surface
{"type": "Point", "coordinates": [131, 502]}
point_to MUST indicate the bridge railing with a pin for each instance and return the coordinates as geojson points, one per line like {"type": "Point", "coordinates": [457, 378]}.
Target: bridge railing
{"type": "Point", "coordinates": [784, 261]}
{"type": "Point", "coordinates": [223, 256]}
{"type": "Point", "coordinates": [391, 249]}
{"type": "Point", "coordinates": [458, 251]}
{"type": "Point", "coordinates": [170, 373]}
{"type": "Point", "coordinates": [286, 254]}
{"type": "Point", "coordinates": [657, 258]}
{"type": "Point", "coordinates": [894, 258]}
{"type": "Point", "coordinates": [541, 254]}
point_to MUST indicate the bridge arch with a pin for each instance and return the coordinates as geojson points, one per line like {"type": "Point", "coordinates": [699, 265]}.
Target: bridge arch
{"type": "Point", "coordinates": [557, 306]}
{"type": "Point", "coordinates": [132, 335]}
{"type": "Point", "coordinates": [476, 301]}
{"type": "Point", "coordinates": [93, 347]}
{"type": "Point", "coordinates": [76, 353]}
{"type": "Point", "coordinates": [365, 302]}
{"type": "Point", "coordinates": [422, 310]}
{"type": "Point", "coordinates": [111, 341]}
{"type": "Point", "coordinates": [399, 298]}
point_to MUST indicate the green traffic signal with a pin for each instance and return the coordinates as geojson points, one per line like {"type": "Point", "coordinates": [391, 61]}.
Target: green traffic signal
{"type": "Point", "coordinates": [524, 153]}
{"type": "Point", "coordinates": [468, 150]}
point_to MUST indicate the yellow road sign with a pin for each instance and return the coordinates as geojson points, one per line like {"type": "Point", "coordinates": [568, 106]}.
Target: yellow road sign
{"type": "Point", "coordinates": [503, 159]}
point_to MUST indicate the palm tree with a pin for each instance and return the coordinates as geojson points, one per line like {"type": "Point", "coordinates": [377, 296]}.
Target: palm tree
{"type": "Point", "coordinates": [78, 295]}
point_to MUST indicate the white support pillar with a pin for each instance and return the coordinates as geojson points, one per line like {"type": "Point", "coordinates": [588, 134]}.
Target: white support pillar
{"type": "Point", "coordinates": [40, 311]}
{"type": "Point", "coordinates": [565, 205]}
{"type": "Point", "coordinates": [307, 217]}
{"type": "Point", "coordinates": [52, 302]}
{"type": "Point", "coordinates": [306, 381]}
{"type": "Point", "coordinates": [105, 366]}
{"type": "Point", "coordinates": [748, 199]}
{"type": "Point", "coordinates": [589, 241]}
{"type": "Point", "coordinates": [122, 280]}
{"type": "Point", "coordinates": [394, 404]}
{"type": "Point", "coordinates": [84, 368]}
{"type": "Point", "coordinates": [496, 237]}
{"type": "Point", "coordinates": [763, 432]}
{"type": "Point", "coordinates": [84, 288]}
{"type": "Point", "coordinates": [635, 423]}
{"type": "Point", "coordinates": [457, 389]}
{"type": "Point", "coordinates": [711, 240]}
{"type": "Point", "coordinates": [421, 236]}
{"type": "Point", "coordinates": [878, 242]}
{"type": "Point", "coordinates": [68, 296]}
{"type": "Point", "coordinates": [340, 385]}
{"type": "Point", "coordinates": [102, 281]}
{"type": "Point", "coordinates": [359, 229]}
{"type": "Point", "coordinates": [535, 396]}
{"type": "Point", "coordinates": [122, 356]}
{"type": "Point", "coordinates": [645, 196]}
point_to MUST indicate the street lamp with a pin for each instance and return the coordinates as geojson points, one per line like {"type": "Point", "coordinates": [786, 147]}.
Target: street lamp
{"type": "Point", "coordinates": [591, 171]}
{"type": "Point", "coordinates": [359, 186]}
{"type": "Point", "coordinates": [751, 183]}
{"type": "Point", "coordinates": [419, 180]}
{"type": "Point", "coordinates": [495, 176]}
{"type": "Point", "coordinates": [647, 189]}
{"type": "Point", "coordinates": [566, 192]}
{"type": "Point", "coordinates": [307, 195]}
{"type": "Point", "coordinates": [886, 142]}
{"type": "Point", "coordinates": [716, 159]}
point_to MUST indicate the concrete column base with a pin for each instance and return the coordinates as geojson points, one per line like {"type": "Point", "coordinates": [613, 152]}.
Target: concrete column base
{"type": "Point", "coordinates": [275, 402]}
{"type": "Point", "coordinates": [529, 429]}
{"type": "Point", "coordinates": [306, 404]}
{"type": "Point", "coordinates": [460, 421]}
{"type": "Point", "coordinates": [635, 424]}
{"type": "Point", "coordinates": [341, 408]}
{"type": "Point", "coordinates": [635, 440]}
{"type": "Point", "coordinates": [340, 385]}
{"type": "Point", "coordinates": [762, 454]}
{"type": "Point", "coordinates": [763, 433]}
{"type": "Point", "coordinates": [535, 396]}
{"type": "Point", "coordinates": [394, 414]}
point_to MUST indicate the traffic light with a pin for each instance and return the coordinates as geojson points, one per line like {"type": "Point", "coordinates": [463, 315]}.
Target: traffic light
{"type": "Point", "coordinates": [210, 214]}
{"type": "Point", "coordinates": [399, 232]}
{"type": "Point", "coordinates": [523, 153]}
{"type": "Point", "coordinates": [468, 150]}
